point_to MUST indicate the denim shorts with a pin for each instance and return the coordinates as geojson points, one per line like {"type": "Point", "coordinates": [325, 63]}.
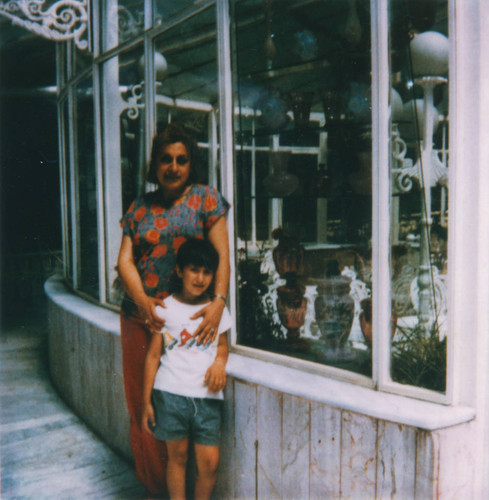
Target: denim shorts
{"type": "Point", "coordinates": [180, 417]}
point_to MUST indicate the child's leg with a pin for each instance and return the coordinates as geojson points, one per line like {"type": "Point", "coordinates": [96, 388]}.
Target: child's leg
{"type": "Point", "coordinates": [176, 468]}
{"type": "Point", "coordinates": [207, 458]}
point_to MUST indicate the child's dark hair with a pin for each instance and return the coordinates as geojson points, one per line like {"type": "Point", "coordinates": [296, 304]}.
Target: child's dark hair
{"type": "Point", "coordinates": [199, 253]}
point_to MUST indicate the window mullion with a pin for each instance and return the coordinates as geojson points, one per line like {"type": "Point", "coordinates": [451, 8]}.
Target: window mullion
{"type": "Point", "coordinates": [380, 194]}
{"type": "Point", "coordinates": [99, 186]}
{"type": "Point", "coordinates": [72, 165]}
{"type": "Point", "coordinates": [226, 124]}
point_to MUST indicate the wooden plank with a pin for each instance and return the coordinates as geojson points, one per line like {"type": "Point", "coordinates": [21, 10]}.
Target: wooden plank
{"type": "Point", "coordinates": [427, 458]}
{"type": "Point", "coordinates": [295, 452]}
{"type": "Point", "coordinates": [456, 471]}
{"type": "Point", "coordinates": [396, 461]}
{"type": "Point", "coordinates": [225, 479]}
{"type": "Point", "coordinates": [46, 451]}
{"type": "Point", "coordinates": [324, 473]}
{"type": "Point", "coordinates": [358, 456]}
{"type": "Point", "coordinates": [246, 439]}
{"type": "Point", "coordinates": [269, 431]}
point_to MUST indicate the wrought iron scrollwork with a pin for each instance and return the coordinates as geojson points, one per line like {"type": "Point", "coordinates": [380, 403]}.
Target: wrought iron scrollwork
{"type": "Point", "coordinates": [134, 101]}
{"type": "Point", "coordinates": [61, 21]}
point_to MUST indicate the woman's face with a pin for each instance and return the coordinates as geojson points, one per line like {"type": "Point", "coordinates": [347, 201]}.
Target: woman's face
{"type": "Point", "coordinates": [173, 169]}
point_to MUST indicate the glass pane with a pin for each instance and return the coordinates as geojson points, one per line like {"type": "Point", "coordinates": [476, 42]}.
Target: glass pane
{"type": "Point", "coordinates": [131, 124]}
{"type": "Point", "coordinates": [303, 173]}
{"type": "Point", "coordinates": [125, 159]}
{"type": "Point", "coordinates": [165, 10]}
{"type": "Point", "coordinates": [121, 20]}
{"type": "Point", "coordinates": [82, 59]}
{"type": "Point", "coordinates": [419, 136]}
{"type": "Point", "coordinates": [87, 251]}
{"type": "Point", "coordinates": [68, 207]}
{"type": "Point", "coordinates": [186, 82]}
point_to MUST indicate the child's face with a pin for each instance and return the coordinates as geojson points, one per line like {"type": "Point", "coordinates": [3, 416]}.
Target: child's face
{"type": "Point", "coordinates": [195, 280]}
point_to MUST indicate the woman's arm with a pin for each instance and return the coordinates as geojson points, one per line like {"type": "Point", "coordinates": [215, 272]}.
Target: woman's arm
{"type": "Point", "coordinates": [211, 314]}
{"type": "Point", "coordinates": [134, 286]}
{"type": "Point", "coordinates": [218, 236]}
{"type": "Point", "coordinates": [151, 364]}
{"type": "Point", "coordinates": [215, 378]}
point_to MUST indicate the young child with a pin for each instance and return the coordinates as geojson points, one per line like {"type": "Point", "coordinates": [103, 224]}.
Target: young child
{"type": "Point", "coordinates": [183, 381]}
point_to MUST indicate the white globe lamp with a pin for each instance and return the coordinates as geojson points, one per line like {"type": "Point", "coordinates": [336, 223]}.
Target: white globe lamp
{"type": "Point", "coordinates": [160, 66]}
{"type": "Point", "coordinates": [429, 54]}
{"type": "Point", "coordinates": [396, 106]}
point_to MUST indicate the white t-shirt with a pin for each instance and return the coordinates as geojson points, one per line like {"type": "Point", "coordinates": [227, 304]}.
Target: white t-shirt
{"type": "Point", "coordinates": [184, 363]}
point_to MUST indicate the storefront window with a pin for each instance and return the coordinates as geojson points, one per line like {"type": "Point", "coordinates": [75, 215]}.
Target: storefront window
{"type": "Point", "coordinates": [419, 207]}
{"type": "Point", "coordinates": [121, 20]}
{"type": "Point", "coordinates": [331, 119]}
{"type": "Point", "coordinates": [185, 65]}
{"type": "Point", "coordinates": [303, 173]}
{"type": "Point", "coordinates": [87, 244]}
{"type": "Point", "coordinates": [166, 10]}
{"type": "Point", "coordinates": [67, 216]}
{"type": "Point", "coordinates": [131, 124]}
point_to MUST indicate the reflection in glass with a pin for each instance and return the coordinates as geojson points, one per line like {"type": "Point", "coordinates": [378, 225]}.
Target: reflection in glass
{"type": "Point", "coordinates": [167, 10]}
{"type": "Point", "coordinates": [419, 136]}
{"type": "Point", "coordinates": [132, 123]}
{"type": "Point", "coordinates": [88, 273]}
{"type": "Point", "coordinates": [186, 83]}
{"type": "Point", "coordinates": [121, 20]}
{"type": "Point", "coordinates": [82, 59]}
{"type": "Point", "coordinates": [67, 184]}
{"type": "Point", "coordinates": [303, 174]}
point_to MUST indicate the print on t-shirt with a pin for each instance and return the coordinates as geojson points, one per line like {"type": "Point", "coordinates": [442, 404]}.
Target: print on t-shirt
{"type": "Point", "coordinates": [186, 340]}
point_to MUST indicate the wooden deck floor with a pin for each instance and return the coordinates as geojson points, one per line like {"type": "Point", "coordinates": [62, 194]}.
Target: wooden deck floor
{"type": "Point", "coordinates": [46, 452]}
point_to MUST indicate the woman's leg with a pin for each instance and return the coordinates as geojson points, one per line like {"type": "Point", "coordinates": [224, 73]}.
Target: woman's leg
{"type": "Point", "coordinates": [177, 468]}
{"type": "Point", "coordinates": [150, 455]}
{"type": "Point", "coordinates": [207, 459]}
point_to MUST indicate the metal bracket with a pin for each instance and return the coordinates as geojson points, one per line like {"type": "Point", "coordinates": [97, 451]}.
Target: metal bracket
{"type": "Point", "coordinates": [61, 21]}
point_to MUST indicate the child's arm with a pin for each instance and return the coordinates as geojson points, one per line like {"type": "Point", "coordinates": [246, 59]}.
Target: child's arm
{"type": "Point", "coordinates": [151, 364]}
{"type": "Point", "coordinates": [215, 377]}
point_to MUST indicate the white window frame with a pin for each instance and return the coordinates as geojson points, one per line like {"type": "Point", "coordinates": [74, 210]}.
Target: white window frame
{"type": "Point", "coordinates": [381, 227]}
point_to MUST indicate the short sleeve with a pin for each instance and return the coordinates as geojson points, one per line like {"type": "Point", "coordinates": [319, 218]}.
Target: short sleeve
{"type": "Point", "coordinates": [214, 206]}
{"type": "Point", "coordinates": [160, 311]}
{"type": "Point", "coordinates": [127, 221]}
{"type": "Point", "coordinates": [226, 321]}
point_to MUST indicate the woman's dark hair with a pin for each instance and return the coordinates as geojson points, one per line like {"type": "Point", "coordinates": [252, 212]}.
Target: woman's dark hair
{"type": "Point", "coordinates": [199, 253]}
{"type": "Point", "coordinates": [170, 135]}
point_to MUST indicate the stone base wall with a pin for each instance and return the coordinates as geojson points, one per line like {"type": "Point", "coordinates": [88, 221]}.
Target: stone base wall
{"type": "Point", "coordinates": [276, 445]}
{"type": "Point", "coordinates": [85, 363]}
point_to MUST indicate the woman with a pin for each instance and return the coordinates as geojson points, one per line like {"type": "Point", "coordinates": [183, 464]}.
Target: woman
{"type": "Point", "coordinates": [154, 227]}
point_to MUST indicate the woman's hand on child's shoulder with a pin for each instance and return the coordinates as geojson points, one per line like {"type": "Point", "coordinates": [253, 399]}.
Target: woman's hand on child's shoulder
{"type": "Point", "coordinates": [211, 315]}
{"type": "Point", "coordinates": [148, 313]}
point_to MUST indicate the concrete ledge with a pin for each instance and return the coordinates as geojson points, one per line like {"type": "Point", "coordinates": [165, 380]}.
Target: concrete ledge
{"type": "Point", "coordinates": [348, 396]}
{"type": "Point", "coordinates": [85, 362]}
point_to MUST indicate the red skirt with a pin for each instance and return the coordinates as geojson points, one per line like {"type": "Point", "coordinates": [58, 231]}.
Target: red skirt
{"type": "Point", "coordinates": [150, 455]}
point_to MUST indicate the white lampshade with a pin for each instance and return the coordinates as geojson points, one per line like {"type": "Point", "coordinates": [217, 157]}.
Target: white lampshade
{"type": "Point", "coordinates": [429, 53]}
{"type": "Point", "coordinates": [396, 106]}
{"type": "Point", "coordinates": [160, 66]}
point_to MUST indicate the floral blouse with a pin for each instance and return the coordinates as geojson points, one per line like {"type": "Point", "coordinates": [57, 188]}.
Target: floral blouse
{"type": "Point", "coordinates": [157, 231]}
